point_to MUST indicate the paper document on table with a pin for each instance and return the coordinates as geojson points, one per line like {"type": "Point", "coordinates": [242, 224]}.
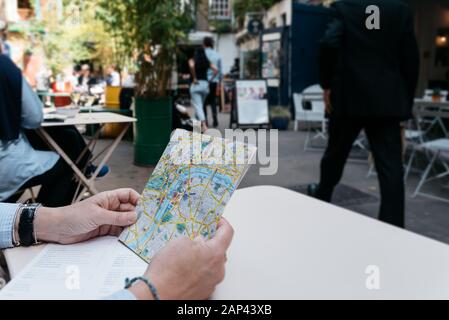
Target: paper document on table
{"type": "Point", "coordinates": [188, 191]}
{"type": "Point", "coordinates": [86, 271]}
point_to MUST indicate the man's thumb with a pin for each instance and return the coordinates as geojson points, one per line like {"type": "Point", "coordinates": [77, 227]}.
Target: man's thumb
{"type": "Point", "coordinates": [118, 219]}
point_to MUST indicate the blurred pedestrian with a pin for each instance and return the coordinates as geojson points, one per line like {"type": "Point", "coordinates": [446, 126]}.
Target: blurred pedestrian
{"type": "Point", "coordinates": [369, 72]}
{"type": "Point", "coordinates": [214, 80]}
{"type": "Point", "coordinates": [199, 90]}
{"type": "Point", "coordinates": [113, 76]}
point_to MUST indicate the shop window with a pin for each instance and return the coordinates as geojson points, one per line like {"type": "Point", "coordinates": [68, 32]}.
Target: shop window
{"type": "Point", "coordinates": [220, 9]}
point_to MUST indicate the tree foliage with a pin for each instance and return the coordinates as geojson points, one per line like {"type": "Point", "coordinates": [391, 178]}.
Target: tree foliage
{"type": "Point", "coordinates": [242, 7]}
{"type": "Point", "coordinates": [150, 30]}
{"type": "Point", "coordinates": [75, 36]}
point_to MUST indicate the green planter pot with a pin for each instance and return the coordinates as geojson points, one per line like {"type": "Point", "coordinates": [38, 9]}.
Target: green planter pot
{"type": "Point", "coordinates": [153, 129]}
{"type": "Point", "coordinates": [280, 123]}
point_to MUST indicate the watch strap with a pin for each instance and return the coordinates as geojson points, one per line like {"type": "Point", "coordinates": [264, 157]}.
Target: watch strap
{"type": "Point", "coordinates": [26, 225]}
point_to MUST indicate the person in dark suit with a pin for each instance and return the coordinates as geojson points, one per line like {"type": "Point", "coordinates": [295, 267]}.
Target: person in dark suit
{"type": "Point", "coordinates": [369, 68]}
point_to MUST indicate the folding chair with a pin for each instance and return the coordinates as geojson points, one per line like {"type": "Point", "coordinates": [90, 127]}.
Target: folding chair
{"type": "Point", "coordinates": [310, 109]}
{"type": "Point", "coordinates": [32, 198]}
{"type": "Point", "coordinates": [427, 117]}
{"type": "Point", "coordinates": [427, 112]}
{"type": "Point", "coordinates": [414, 137]}
{"type": "Point", "coordinates": [440, 150]}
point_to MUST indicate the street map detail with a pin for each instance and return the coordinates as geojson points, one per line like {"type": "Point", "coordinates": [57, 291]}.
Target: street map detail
{"type": "Point", "coordinates": [188, 191]}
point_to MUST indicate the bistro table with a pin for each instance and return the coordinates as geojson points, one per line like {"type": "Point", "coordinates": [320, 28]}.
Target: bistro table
{"type": "Point", "coordinates": [98, 118]}
{"type": "Point", "coordinates": [290, 246]}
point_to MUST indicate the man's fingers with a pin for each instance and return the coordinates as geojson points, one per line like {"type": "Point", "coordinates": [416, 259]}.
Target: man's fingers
{"type": "Point", "coordinates": [114, 218]}
{"type": "Point", "coordinates": [124, 207]}
{"type": "Point", "coordinates": [223, 237]}
{"type": "Point", "coordinates": [121, 196]}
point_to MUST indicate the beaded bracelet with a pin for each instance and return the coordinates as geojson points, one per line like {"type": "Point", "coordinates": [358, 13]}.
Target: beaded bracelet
{"type": "Point", "coordinates": [129, 283]}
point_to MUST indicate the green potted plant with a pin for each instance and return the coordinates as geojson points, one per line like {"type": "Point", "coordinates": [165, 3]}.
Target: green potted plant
{"type": "Point", "coordinates": [150, 30]}
{"type": "Point", "coordinates": [280, 117]}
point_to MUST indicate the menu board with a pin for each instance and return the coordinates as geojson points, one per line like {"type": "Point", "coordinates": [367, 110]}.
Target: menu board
{"type": "Point", "coordinates": [252, 102]}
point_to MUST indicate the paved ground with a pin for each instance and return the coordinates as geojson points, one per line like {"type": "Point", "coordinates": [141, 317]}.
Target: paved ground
{"type": "Point", "coordinates": [297, 167]}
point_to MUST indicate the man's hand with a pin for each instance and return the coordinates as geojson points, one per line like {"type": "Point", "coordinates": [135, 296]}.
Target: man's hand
{"type": "Point", "coordinates": [104, 214]}
{"type": "Point", "coordinates": [188, 270]}
{"type": "Point", "coordinates": [327, 101]}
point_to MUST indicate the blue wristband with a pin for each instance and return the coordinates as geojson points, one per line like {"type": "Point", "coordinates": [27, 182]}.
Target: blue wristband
{"type": "Point", "coordinates": [129, 283]}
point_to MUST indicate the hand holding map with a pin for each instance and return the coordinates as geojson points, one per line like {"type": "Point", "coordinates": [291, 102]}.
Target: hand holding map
{"type": "Point", "coordinates": [188, 191]}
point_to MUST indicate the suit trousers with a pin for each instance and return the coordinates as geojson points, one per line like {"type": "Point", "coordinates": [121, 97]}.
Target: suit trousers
{"type": "Point", "coordinates": [385, 139]}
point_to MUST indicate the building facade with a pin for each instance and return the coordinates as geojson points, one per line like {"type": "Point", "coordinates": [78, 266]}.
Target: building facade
{"type": "Point", "coordinates": [432, 30]}
{"type": "Point", "coordinates": [210, 16]}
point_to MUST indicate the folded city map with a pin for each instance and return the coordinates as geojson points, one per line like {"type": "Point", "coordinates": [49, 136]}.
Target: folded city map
{"type": "Point", "coordinates": [188, 191]}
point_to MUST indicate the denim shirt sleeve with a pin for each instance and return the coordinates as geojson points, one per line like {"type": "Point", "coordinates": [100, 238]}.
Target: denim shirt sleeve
{"type": "Point", "coordinates": [32, 108]}
{"type": "Point", "coordinates": [7, 215]}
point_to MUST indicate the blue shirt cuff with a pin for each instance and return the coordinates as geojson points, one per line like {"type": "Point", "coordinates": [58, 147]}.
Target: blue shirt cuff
{"type": "Point", "coordinates": [122, 295]}
{"type": "Point", "coordinates": [7, 215]}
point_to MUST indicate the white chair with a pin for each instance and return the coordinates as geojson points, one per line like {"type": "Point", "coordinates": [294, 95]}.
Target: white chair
{"type": "Point", "coordinates": [427, 118]}
{"type": "Point", "coordinates": [310, 109]}
{"type": "Point", "coordinates": [432, 120]}
{"type": "Point", "coordinates": [415, 135]}
{"type": "Point", "coordinates": [440, 150]}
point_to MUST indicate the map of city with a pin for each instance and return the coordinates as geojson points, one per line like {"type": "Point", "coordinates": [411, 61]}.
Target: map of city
{"type": "Point", "coordinates": [188, 191]}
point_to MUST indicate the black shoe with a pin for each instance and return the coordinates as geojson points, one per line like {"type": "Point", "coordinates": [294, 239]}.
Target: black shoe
{"type": "Point", "coordinates": [215, 124]}
{"type": "Point", "coordinates": [312, 190]}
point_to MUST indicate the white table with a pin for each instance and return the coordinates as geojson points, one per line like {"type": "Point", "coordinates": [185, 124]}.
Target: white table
{"type": "Point", "coordinates": [53, 94]}
{"type": "Point", "coordinates": [100, 118]}
{"type": "Point", "coordinates": [289, 246]}
{"type": "Point", "coordinates": [430, 103]}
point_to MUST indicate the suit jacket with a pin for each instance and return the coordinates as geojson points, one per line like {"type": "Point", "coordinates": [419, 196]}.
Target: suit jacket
{"type": "Point", "coordinates": [372, 73]}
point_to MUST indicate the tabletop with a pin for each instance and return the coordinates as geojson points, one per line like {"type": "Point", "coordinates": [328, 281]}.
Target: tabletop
{"type": "Point", "coordinates": [91, 118]}
{"type": "Point", "coordinates": [427, 102]}
{"type": "Point", "coordinates": [289, 246]}
{"type": "Point", "coordinates": [53, 94]}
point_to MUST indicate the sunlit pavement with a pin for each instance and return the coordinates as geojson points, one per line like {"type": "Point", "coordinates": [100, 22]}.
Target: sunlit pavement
{"type": "Point", "coordinates": [297, 167]}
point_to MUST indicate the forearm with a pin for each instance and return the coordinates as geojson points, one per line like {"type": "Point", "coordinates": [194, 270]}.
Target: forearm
{"type": "Point", "coordinates": [46, 224]}
{"type": "Point", "coordinates": [141, 292]}
{"type": "Point", "coordinates": [7, 216]}
{"type": "Point", "coordinates": [192, 70]}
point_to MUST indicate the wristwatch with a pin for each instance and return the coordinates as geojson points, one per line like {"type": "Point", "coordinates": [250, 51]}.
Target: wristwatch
{"type": "Point", "coordinates": [27, 237]}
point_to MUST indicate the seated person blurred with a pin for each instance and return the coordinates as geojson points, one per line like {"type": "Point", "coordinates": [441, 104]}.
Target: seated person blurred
{"type": "Point", "coordinates": [184, 269]}
{"type": "Point", "coordinates": [25, 160]}
{"type": "Point", "coordinates": [86, 79]}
